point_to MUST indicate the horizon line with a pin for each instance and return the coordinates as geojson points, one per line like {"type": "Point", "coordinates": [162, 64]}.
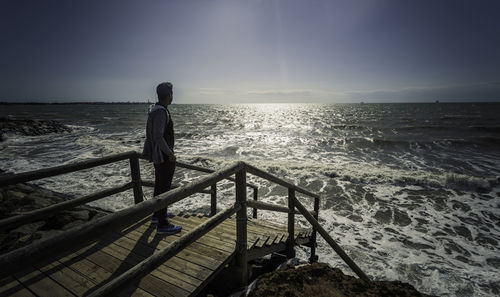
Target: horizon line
{"type": "Point", "coordinates": [199, 103]}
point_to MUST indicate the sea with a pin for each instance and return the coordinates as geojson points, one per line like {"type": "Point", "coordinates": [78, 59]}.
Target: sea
{"type": "Point", "coordinates": [411, 192]}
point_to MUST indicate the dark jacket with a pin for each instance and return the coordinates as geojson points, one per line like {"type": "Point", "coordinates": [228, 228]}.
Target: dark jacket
{"type": "Point", "coordinates": [159, 135]}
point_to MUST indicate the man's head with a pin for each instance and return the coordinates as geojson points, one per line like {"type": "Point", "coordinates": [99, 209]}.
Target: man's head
{"type": "Point", "coordinates": [165, 93]}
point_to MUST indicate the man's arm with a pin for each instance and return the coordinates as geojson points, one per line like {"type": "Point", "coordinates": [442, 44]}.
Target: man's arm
{"type": "Point", "coordinates": [159, 122]}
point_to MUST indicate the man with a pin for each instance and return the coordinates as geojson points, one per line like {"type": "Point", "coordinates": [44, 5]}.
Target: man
{"type": "Point", "coordinates": [159, 149]}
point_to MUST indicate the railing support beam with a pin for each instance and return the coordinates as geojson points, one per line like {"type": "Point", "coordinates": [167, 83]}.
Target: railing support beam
{"type": "Point", "coordinates": [213, 200]}
{"type": "Point", "coordinates": [290, 250]}
{"type": "Point", "coordinates": [314, 257]}
{"type": "Point", "coordinates": [135, 171]}
{"type": "Point", "coordinates": [255, 195]}
{"type": "Point", "coordinates": [241, 226]}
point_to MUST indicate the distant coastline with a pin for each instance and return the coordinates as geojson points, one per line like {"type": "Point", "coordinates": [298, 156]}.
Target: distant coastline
{"type": "Point", "coordinates": [69, 103]}
{"type": "Point", "coordinates": [242, 103]}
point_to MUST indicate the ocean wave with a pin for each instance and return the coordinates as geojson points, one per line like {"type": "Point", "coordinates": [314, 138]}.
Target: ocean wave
{"type": "Point", "coordinates": [347, 127]}
{"type": "Point", "coordinates": [492, 129]}
{"type": "Point", "coordinates": [478, 140]}
{"type": "Point", "coordinates": [467, 182]}
{"type": "Point", "coordinates": [423, 127]}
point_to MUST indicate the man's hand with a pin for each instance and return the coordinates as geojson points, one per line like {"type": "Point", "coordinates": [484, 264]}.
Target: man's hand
{"type": "Point", "coordinates": [171, 157]}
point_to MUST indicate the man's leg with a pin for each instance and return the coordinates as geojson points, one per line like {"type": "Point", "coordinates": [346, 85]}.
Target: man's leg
{"type": "Point", "coordinates": [164, 173]}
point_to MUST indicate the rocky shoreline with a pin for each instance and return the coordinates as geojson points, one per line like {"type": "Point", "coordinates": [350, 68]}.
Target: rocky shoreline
{"type": "Point", "coordinates": [321, 280]}
{"type": "Point", "coordinates": [29, 127]}
{"type": "Point", "coordinates": [19, 198]}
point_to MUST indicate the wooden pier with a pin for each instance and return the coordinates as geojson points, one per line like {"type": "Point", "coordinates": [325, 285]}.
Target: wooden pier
{"type": "Point", "coordinates": [121, 254]}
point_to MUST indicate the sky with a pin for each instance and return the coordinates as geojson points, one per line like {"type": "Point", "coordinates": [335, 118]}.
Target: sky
{"type": "Point", "coordinates": [252, 51]}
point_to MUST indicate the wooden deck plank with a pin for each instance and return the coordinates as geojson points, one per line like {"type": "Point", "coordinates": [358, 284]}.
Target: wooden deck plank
{"type": "Point", "coordinates": [112, 267]}
{"type": "Point", "coordinates": [130, 257]}
{"type": "Point", "coordinates": [10, 286]}
{"type": "Point", "coordinates": [258, 227]}
{"type": "Point", "coordinates": [133, 291]}
{"type": "Point", "coordinates": [99, 266]}
{"type": "Point", "coordinates": [226, 232]}
{"type": "Point", "coordinates": [38, 283]}
{"type": "Point", "coordinates": [177, 278]}
{"type": "Point", "coordinates": [185, 229]}
{"type": "Point", "coordinates": [113, 253]}
{"type": "Point", "coordinates": [175, 262]}
{"type": "Point", "coordinates": [215, 237]}
{"type": "Point", "coordinates": [67, 277]}
{"type": "Point", "coordinates": [189, 253]}
{"type": "Point", "coordinates": [255, 230]}
{"type": "Point", "coordinates": [224, 246]}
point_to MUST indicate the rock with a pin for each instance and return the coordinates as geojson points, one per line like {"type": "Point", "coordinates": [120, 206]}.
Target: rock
{"type": "Point", "coordinates": [493, 262]}
{"type": "Point", "coordinates": [417, 246]}
{"type": "Point", "coordinates": [463, 231]}
{"type": "Point", "coordinates": [355, 218]}
{"type": "Point", "coordinates": [73, 224]}
{"type": "Point", "coordinates": [384, 217]}
{"type": "Point", "coordinates": [14, 200]}
{"type": "Point", "coordinates": [30, 127]}
{"type": "Point", "coordinates": [319, 279]}
{"type": "Point", "coordinates": [462, 206]}
{"type": "Point", "coordinates": [28, 228]}
{"type": "Point", "coordinates": [15, 195]}
{"type": "Point", "coordinates": [25, 188]}
{"type": "Point", "coordinates": [401, 218]}
{"type": "Point", "coordinates": [82, 215]}
{"type": "Point", "coordinates": [485, 239]}
{"type": "Point", "coordinates": [370, 198]}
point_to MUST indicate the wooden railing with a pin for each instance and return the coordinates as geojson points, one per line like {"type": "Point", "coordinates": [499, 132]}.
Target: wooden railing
{"type": "Point", "coordinates": [89, 232]}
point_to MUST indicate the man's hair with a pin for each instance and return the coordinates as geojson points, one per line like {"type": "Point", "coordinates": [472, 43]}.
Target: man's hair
{"type": "Point", "coordinates": [163, 90]}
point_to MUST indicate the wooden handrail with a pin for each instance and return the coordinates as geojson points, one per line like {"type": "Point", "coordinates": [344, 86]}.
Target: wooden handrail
{"type": "Point", "coordinates": [28, 217]}
{"type": "Point", "coordinates": [202, 169]}
{"type": "Point", "coordinates": [272, 207]}
{"type": "Point", "coordinates": [258, 172]}
{"type": "Point", "coordinates": [155, 260]}
{"type": "Point", "coordinates": [151, 184]}
{"type": "Point", "coordinates": [86, 233]}
{"type": "Point", "coordinates": [66, 168]}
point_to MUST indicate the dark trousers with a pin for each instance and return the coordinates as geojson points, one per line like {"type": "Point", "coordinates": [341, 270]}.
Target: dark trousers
{"type": "Point", "coordinates": [164, 172]}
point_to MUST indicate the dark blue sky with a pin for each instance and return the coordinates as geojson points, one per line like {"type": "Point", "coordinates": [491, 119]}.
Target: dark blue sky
{"type": "Point", "coordinates": [251, 51]}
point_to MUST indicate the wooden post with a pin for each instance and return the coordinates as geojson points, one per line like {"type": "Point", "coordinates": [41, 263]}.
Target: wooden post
{"type": "Point", "coordinates": [290, 251]}
{"type": "Point", "coordinates": [213, 200]}
{"type": "Point", "coordinates": [136, 179]}
{"type": "Point", "coordinates": [255, 194]}
{"type": "Point", "coordinates": [314, 257]}
{"type": "Point", "coordinates": [241, 226]}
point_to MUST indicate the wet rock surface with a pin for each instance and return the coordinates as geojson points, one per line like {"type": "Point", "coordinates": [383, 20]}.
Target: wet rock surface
{"type": "Point", "coordinates": [319, 279]}
{"type": "Point", "coordinates": [21, 198]}
{"type": "Point", "coordinates": [30, 127]}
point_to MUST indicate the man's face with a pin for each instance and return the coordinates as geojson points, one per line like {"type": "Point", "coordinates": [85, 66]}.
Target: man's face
{"type": "Point", "coordinates": [167, 100]}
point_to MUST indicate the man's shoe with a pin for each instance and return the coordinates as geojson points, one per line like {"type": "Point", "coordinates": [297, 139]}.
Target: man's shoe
{"type": "Point", "coordinates": [154, 219]}
{"type": "Point", "coordinates": [168, 229]}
